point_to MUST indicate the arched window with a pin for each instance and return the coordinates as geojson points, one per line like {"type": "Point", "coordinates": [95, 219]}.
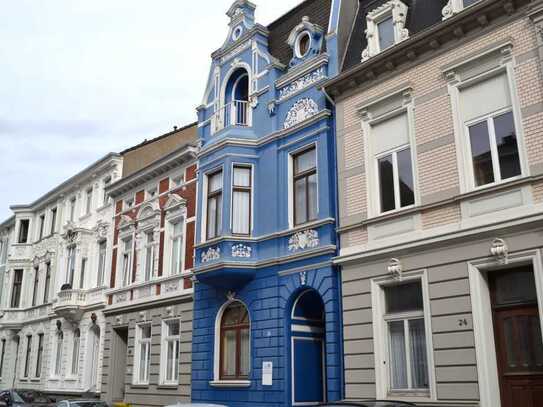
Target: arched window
{"type": "Point", "coordinates": [237, 99]}
{"type": "Point", "coordinates": [235, 351]}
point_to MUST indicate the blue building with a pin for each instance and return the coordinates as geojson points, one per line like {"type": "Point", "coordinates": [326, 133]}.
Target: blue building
{"type": "Point", "coordinates": [267, 328]}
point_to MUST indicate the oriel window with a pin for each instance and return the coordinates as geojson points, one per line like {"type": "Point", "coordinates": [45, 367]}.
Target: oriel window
{"type": "Point", "coordinates": [214, 205]}
{"type": "Point", "coordinates": [241, 200]}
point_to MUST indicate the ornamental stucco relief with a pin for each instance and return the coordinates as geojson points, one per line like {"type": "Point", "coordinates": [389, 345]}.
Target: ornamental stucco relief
{"type": "Point", "coordinates": [211, 254]}
{"type": "Point", "coordinates": [302, 110]}
{"type": "Point", "coordinates": [307, 239]}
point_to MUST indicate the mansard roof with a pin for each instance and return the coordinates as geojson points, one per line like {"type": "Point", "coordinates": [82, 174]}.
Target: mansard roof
{"type": "Point", "coordinates": [421, 14]}
{"type": "Point", "coordinates": [318, 12]}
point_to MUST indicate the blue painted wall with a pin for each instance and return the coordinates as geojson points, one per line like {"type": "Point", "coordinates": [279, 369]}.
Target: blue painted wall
{"type": "Point", "coordinates": [277, 270]}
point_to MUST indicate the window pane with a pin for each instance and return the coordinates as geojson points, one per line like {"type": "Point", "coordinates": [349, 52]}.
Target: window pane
{"type": "Point", "coordinates": [300, 201]}
{"type": "Point", "coordinates": [170, 361]}
{"type": "Point", "coordinates": [146, 332]}
{"type": "Point", "coordinates": [506, 141]}
{"type": "Point", "coordinates": [480, 152]}
{"type": "Point", "coordinates": [386, 183]}
{"type": "Point", "coordinates": [419, 363]}
{"type": "Point", "coordinates": [404, 297]}
{"type": "Point", "coordinates": [305, 161]}
{"type": "Point", "coordinates": [386, 33]}
{"type": "Point", "coordinates": [469, 2]}
{"type": "Point", "coordinates": [241, 212]}
{"type": "Point", "coordinates": [173, 328]}
{"type": "Point", "coordinates": [215, 182]}
{"type": "Point", "coordinates": [176, 247]}
{"type": "Point", "coordinates": [515, 287]}
{"type": "Point", "coordinates": [229, 353]}
{"type": "Point", "coordinates": [244, 349]}
{"type": "Point", "coordinates": [312, 195]}
{"type": "Point", "coordinates": [242, 177]}
{"type": "Point", "coordinates": [398, 364]}
{"type": "Point", "coordinates": [405, 175]}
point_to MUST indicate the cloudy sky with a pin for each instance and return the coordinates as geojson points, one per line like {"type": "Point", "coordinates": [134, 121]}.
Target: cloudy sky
{"type": "Point", "coordinates": [81, 78]}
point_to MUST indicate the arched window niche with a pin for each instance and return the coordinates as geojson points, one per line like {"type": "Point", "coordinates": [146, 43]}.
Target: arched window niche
{"type": "Point", "coordinates": [233, 344]}
{"type": "Point", "coordinates": [236, 109]}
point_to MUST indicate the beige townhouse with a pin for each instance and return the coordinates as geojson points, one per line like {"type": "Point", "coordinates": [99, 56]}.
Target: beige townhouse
{"type": "Point", "coordinates": [440, 168]}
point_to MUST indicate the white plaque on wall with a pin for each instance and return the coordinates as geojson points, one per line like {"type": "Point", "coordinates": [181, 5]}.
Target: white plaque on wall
{"type": "Point", "coordinates": [267, 373]}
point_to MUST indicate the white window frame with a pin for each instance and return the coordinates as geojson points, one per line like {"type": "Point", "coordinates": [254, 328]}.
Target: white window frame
{"type": "Point", "coordinates": [171, 238]}
{"type": "Point", "coordinates": [371, 159]}
{"type": "Point", "coordinates": [89, 194]}
{"type": "Point", "coordinates": [394, 9]}
{"type": "Point", "coordinates": [125, 279]}
{"type": "Point", "coordinates": [71, 256]}
{"type": "Point", "coordinates": [102, 264]}
{"type": "Point", "coordinates": [76, 353]}
{"type": "Point", "coordinates": [27, 368]}
{"type": "Point", "coordinates": [204, 192]}
{"type": "Point", "coordinates": [105, 184]}
{"type": "Point", "coordinates": [165, 339]}
{"type": "Point", "coordinates": [72, 205]}
{"type": "Point", "coordinates": [380, 330]}
{"type": "Point", "coordinates": [464, 158]}
{"type": "Point", "coordinates": [148, 248]}
{"type": "Point", "coordinates": [251, 187]}
{"type": "Point", "coordinates": [137, 354]}
{"type": "Point", "coordinates": [56, 367]}
{"type": "Point", "coordinates": [290, 170]}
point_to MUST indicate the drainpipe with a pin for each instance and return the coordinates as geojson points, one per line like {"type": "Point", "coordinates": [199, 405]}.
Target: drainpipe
{"type": "Point", "coordinates": [338, 245]}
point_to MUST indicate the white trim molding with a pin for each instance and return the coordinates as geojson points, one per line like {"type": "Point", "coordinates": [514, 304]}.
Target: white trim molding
{"type": "Point", "coordinates": [393, 8]}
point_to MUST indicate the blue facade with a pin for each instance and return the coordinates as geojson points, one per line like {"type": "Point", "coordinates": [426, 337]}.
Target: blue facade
{"type": "Point", "coordinates": [258, 114]}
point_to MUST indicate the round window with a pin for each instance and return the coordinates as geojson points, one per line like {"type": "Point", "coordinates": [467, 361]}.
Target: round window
{"type": "Point", "coordinates": [237, 33]}
{"type": "Point", "coordinates": [303, 44]}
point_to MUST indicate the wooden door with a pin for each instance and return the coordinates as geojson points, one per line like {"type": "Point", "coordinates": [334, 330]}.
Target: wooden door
{"type": "Point", "coordinates": [517, 332]}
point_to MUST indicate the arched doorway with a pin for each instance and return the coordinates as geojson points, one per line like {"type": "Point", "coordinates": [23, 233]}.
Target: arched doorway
{"type": "Point", "coordinates": [308, 356]}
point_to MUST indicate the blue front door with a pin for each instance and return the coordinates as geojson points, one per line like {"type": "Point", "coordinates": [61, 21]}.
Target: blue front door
{"type": "Point", "coordinates": [308, 370]}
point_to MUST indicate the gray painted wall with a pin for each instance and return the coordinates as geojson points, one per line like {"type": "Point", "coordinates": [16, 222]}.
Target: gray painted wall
{"type": "Point", "coordinates": [153, 394]}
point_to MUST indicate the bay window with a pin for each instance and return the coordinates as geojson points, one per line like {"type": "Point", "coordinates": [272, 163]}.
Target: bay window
{"type": "Point", "coordinates": [126, 261]}
{"type": "Point", "coordinates": [491, 135]}
{"type": "Point", "coordinates": [24, 226]}
{"type": "Point", "coordinates": [170, 351]}
{"type": "Point", "coordinates": [149, 255]}
{"type": "Point", "coordinates": [143, 354]}
{"type": "Point", "coordinates": [391, 146]}
{"type": "Point", "coordinates": [234, 343]}
{"type": "Point", "coordinates": [241, 200]}
{"type": "Point", "coordinates": [406, 338]}
{"type": "Point", "coordinates": [305, 186]}
{"type": "Point", "coordinates": [214, 205]}
{"type": "Point", "coordinates": [177, 247]}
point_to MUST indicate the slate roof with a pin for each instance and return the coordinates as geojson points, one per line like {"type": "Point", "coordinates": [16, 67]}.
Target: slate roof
{"type": "Point", "coordinates": [421, 14]}
{"type": "Point", "coordinates": [318, 12]}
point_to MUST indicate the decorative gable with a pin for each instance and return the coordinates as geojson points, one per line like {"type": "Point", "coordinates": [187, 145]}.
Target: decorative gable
{"type": "Point", "coordinates": [385, 27]}
{"type": "Point", "coordinates": [242, 19]}
{"type": "Point", "coordinates": [305, 40]}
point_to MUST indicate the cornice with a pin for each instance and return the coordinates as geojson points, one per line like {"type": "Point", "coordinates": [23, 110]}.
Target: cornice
{"type": "Point", "coordinates": [425, 43]}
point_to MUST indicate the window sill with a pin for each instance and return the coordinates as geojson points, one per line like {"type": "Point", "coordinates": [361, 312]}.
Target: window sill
{"type": "Point", "coordinates": [140, 386]}
{"type": "Point", "coordinates": [167, 386]}
{"type": "Point", "coordinates": [230, 383]}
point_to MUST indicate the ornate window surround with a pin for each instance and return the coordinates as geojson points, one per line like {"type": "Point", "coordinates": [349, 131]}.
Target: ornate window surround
{"type": "Point", "coordinates": [176, 211]}
{"type": "Point", "coordinates": [305, 28]}
{"type": "Point", "coordinates": [148, 221]}
{"type": "Point", "coordinates": [452, 8]}
{"type": "Point", "coordinates": [393, 8]}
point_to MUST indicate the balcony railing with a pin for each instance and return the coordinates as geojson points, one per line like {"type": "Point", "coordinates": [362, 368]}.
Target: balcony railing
{"type": "Point", "coordinates": [235, 113]}
{"type": "Point", "coordinates": [15, 317]}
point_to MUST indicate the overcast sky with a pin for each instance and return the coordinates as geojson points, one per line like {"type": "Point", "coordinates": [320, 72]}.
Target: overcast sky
{"type": "Point", "coordinates": [81, 78]}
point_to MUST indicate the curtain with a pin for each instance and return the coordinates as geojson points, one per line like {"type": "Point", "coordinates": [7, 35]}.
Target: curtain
{"type": "Point", "coordinates": [244, 349]}
{"type": "Point", "coordinates": [241, 213]}
{"type": "Point", "coordinates": [229, 354]}
{"type": "Point", "coordinates": [398, 363]}
{"type": "Point", "coordinates": [419, 362]}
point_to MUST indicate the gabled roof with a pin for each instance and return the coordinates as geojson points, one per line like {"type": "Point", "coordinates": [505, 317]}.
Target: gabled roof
{"type": "Point", "coordinates": [421, 14]}
{"type": "Point", "coordinates": [318, 12]}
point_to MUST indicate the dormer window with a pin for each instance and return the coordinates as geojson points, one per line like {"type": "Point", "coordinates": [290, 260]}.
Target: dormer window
{"type": "Point", "coordinates": [456, 6]}
{"type": "Point", "coordinates": [303, 43]}
{"type": "Point", "coordinates": [385, 27]}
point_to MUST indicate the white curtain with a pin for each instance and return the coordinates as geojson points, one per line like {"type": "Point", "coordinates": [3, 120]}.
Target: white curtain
{"type": "Point", "coordinates": [244, 349]}
{"type": "Point", "coordinates": [398, 361]}
{"type": "Point", "coordinates": [241, 214]}
{"type": "Point", "coordinates": [229, 353]}
{"type": "Point", "coordinates": [419, 362]}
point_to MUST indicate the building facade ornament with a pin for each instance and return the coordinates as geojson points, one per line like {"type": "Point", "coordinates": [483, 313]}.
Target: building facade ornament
{"type": "Point", "coordinates": [393, 8]}
{"type": "Point", "coordinates": [499, 250]}
{"type": "Point", "coordinates": [302, 110]}
{"type": "Point", "coordinates": [395, 268]}
{"type": "Point", "coordinates": [241, 250]}
{"type": "Point", "coordinates": [303, 278]}
{"type": "Point", "coordinates": [307, 239]}
{"type": "Point", "coordinates": [211, 254]}
{"type": "Point", "coordinates": [302, 83]}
